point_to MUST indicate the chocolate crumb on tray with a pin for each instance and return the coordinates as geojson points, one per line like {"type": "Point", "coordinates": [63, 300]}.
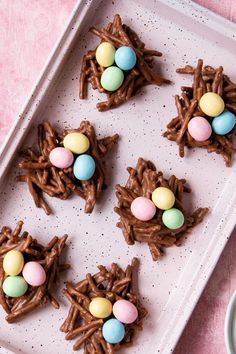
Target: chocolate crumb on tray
{"type": "Point", "coordinates": [152, 211]}
{"type": "Point", "coordinates": [67, 162]}
{"type": "Point", "coordinates": [120, 66]}
{"type": "Point", "coordinates": [105, 311]}
{"type": "Point", "coordinates": [206, 112]}
{"type": "Point", "coordinates": [28, 271]}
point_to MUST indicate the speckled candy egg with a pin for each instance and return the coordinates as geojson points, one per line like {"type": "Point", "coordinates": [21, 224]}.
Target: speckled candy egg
{"type": "Point", "coordinates": [112, 78]}
{"type": "Point", "coordinates": [143, 208]}
{"type": "Point", "coordinates": [113, 331]}
{"type": "Point", "coordinates": [125, 58]}
{"type": "Point", "coordinates": [199, 128]}
{"type": "Point", "coordinates": [61, 157]}
{"type": "Point", "coordinates": [125, 311]}
{"type": "Point", "coordinates": [13, 262]}
{"type": "Point", "coordinates": [173, 218]}
{"type": "Point", "coordinates": [224, 123]}
{"type": "Point", "coordinates": [100, 307]}
{"type": "Point", "coordinates": [84, 167]}
{"type": "Point", "coordinates": [76, 142]}
{"type": "Point", "coordinates": [34, 274]}
{"type": "Point", "coordinates": [14, 286]}
{"type": "Point", "coordinates": [211, 104]}
{"type": "Point", "coordinates": [163, 198]}
{"type": "Point", "coordinates": [105, 54]}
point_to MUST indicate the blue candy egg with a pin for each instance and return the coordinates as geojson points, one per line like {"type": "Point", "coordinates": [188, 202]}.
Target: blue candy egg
{"type": "Point", "coordinates": [125, 58]}
{"type": "Point", "coordinates": [84, 167]}
{"type": "Point", "coordinates": [113, 331]}
{"type": "Point", "coordinates": [223, 123]}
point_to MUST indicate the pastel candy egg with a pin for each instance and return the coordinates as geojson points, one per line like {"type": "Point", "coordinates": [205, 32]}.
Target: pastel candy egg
{"type": "Point", "coordinates": [199, 128]}
{"type": "Point", "coordinates": [14, 286]}
{"type": "Point", "coordinates": [143, 208]}
{"type": "Point", "coordinates": [211, 104]}
{"type": "Point", "coordinates": [112, 78]}
{"type": "Point", "coordinates": [125, 58]}
{"type": "Point", "coordinates": [61, 157]}
{"type": "Point", "coordinates": [173, 218]}
{"type": "Point", "coordinates": [76, 142]}
{"type": "Point", "coordinates": [13, 262]}
{"type": "Point", "coordinates": [100, 307]}
{"type": "Point", "coordinates": [163, 198]}
{"type": "Point", "coordinates": [34, 274]}
{"type": "Point", "coordinates": [125, 311]}
{"type": "Point", "coordinates": [105, 54]}
{"type": "Point", "coordinates": [223, 123]}
{"type": "Point", "coordinates": [113, 331]}
{"type": "Point", "coordinates": [84, 167]}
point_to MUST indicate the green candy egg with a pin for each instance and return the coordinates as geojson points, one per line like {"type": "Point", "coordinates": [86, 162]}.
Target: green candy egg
{"type": "Point", "coordinates": [14, 286]}
{"type": "Point", "coordinates": [173, 218]}
{"type": "Point", "coordinates": [112, 78]}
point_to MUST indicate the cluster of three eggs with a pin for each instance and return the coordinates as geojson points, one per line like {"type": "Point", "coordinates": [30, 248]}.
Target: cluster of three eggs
{"type": "Point", "coordinates": [124, 312]}
{"type": "Point", "coordinates": [125, 59]}
{"type": "Point", "coordinates": [221, 121]}
{"type": "Point", "coordinates": [16, 285]}
{"type": "Point", "coordinates": [163, 198]}
{"type": "Point", "coordinates": [63, 157]}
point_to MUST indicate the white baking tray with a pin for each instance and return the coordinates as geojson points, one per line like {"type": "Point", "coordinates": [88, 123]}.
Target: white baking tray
{"type": "Point", "coordinates": [171, 287]}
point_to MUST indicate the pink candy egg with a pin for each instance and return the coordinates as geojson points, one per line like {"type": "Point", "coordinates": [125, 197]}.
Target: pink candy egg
{"type": "Point", "coordinates": [125, 311]}
{"type": "Point", "coordinates": [199, 128]}
{"type": "Point", "coordinates": [61, 157]}
{"type": "Point", "coordinates": [143, 208]}
{"type": "Point", "coordinates": [34, 274]}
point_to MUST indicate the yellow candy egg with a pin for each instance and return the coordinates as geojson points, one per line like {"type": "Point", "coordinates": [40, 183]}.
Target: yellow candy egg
{"type": "Point", "coordinates": [163, 198]}
{"type": "Point", "coordinates": [211, 104]}
{"type": "Point", "coordinates": [100, 307]}
{"type": "Point", "coordinates": [76, 142]}
{"type": "Point", "coordinates": [13, 262]}
{"type": "Point", "coordinates": [105, 54]}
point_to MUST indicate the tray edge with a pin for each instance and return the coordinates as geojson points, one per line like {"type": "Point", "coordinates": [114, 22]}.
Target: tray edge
{"type": "Point", "coordinates": [50, 69]}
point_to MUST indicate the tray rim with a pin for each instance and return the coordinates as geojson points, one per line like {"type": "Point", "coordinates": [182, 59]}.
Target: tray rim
{"type": "Point", "coordinates": [215, 21]}
{"type": "Point", "coordinates": [48, 75]}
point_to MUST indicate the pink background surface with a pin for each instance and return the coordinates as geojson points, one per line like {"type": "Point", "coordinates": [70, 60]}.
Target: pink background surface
{"type": "Point", "coordinates": [29, 29]}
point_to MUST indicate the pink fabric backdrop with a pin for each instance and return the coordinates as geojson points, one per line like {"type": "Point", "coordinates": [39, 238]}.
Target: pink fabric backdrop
{"type": "Point", "coordinates": [29, 29]}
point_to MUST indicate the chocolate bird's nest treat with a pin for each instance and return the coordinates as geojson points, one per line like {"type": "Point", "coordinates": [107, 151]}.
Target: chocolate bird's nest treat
{"type": "Point", "coordinates": [132, 81]}
{"type": "Point", "coordinates": [46, 257]}
{"type": "Point", "coordinates": [142, 182]}
{"type": "Point", "coordinates": [206, 79]}
{"type": "Point", "coordinates": [42, 176]}
{"type": "Point", "coordinates": [107, 286]}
